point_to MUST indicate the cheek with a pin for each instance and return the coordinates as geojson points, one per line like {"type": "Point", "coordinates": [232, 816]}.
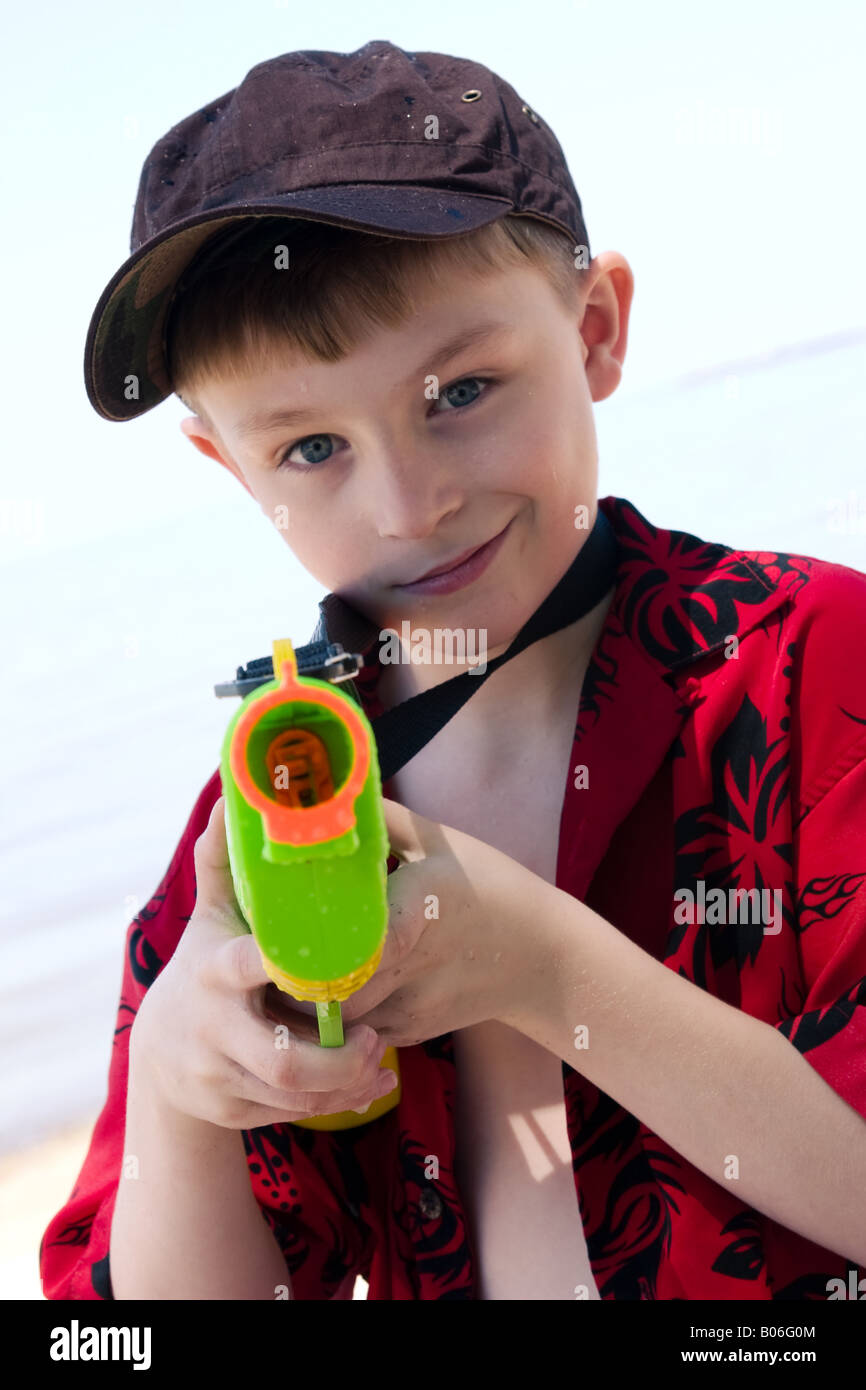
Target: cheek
{"type": "Point", "coordinates": [542, 456]}
{"type": "Point", "coordinates": [551, 423]}
{"type": "Point", "coordinates": [326, 551]}
{"type": "Point", "coordinates": [551, 457]}
{"type": "Point", "coordinates": [274, 503]}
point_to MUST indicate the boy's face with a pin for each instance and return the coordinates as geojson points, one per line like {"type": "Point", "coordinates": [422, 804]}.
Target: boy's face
{"type": "Point", "coordinates": [382, 481]}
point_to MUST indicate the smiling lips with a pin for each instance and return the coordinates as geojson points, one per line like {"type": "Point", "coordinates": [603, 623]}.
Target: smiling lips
{"type": "Point", "coordinates": [462, 570]}
{"type": "Point", "coordinates": [451, 564]}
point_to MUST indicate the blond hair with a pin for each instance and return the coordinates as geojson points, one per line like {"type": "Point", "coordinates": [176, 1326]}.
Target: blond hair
{"type": "Point", "coordinates": [230, 313]}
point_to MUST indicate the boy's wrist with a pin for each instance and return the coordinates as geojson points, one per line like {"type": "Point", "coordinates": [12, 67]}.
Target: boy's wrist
{"type": "Point", "coordinates": [152, 1117]}
{"type": "Point", "coordinates": [147, 1100]}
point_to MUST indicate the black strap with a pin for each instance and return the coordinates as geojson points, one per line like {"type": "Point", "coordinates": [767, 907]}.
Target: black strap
{"type": "Point", "coordinates": [403, 731]}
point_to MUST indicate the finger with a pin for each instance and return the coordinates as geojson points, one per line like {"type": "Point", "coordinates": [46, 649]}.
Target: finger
{"type": "Point", "coordinates": [386, 978]}
{"type": "Point", "coordinates": [284, 1062]}
{"type": "Point", "coordinates": [397, 966]}
{"type": "Point", "coordinates": [303, 1106]}
{"type": "Point", "coordinates": [405, 830]}
{"type": "Point", "coordinates": [378, 988]}
{"type": "Point", "coordinates": [363, 1004]}
{"type": "Point", "coordinates": [353, 1089]}
{"type": "Point", "coordinates": [405, 927]}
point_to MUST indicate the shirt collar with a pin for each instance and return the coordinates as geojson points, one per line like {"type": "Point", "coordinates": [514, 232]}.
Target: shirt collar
{"type": "Point", "coordinates": [681, 598]}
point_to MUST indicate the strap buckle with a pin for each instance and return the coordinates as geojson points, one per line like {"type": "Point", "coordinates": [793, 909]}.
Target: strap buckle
{"type": "Point", "coordinates": [322, 660]}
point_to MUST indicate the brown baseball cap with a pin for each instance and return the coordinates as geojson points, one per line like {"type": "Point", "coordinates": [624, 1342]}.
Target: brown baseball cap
{"type": "Point", "coordinates": [418, 145]}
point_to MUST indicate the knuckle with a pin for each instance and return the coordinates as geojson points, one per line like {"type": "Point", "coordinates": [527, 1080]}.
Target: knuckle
{"type": "Point", "coordinates": [201, 1072]}
{"type": "Point", "coordinates": [280, 1068]}
{"type": "Point", "coordinates": [303, 1103]}
{"type": "Point", "coordinates": [230, 1111]}
{"type": "Point", "coordinates": [237, 959]}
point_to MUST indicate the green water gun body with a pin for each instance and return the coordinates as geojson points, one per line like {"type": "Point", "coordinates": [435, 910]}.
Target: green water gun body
{"type": "Point", "coordinates": [308, 846]}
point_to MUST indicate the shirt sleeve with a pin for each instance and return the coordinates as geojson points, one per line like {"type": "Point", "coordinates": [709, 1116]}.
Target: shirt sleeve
{"type": "Point", "coordinates": [296, 1174]}
{"type": "Point", "coordinates": [829, 1026]}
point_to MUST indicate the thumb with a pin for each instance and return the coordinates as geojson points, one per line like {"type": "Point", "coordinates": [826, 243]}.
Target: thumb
{"type": "Point", "coordinates": [217, 902]}
{"type": "Point", "coordinates": [213, 875]}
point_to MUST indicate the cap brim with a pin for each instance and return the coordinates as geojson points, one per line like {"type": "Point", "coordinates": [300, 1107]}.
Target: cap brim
{"type": "Point", "coordinates": [125, 370]}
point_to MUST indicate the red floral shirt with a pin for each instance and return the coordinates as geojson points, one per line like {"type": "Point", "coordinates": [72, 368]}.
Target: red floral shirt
{"type": "Point", "coordinates": [728, 764]}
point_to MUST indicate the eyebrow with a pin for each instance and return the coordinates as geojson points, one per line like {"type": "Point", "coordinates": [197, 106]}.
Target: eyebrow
{"type": "Point", "coordinates": [259, 422]}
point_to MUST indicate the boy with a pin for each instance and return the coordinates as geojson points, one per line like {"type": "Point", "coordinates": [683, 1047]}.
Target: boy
{"type": "Point", "coordinates": [632, 1038]}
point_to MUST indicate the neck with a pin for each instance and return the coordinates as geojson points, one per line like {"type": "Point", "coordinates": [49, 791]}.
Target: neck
{"type": "Point", "coordinates": [537, 676]}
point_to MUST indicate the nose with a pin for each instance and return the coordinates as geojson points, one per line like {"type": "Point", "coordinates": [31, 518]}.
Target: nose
{"type": "Point", "coordinates": [412, 493]}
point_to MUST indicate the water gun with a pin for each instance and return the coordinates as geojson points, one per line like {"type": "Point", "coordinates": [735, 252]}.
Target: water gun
{"type": "Point", "coordinates": [307, 843]}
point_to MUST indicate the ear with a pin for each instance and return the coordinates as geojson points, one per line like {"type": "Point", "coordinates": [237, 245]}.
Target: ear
{"type": "Point", "coordinates": [604, 326]}
{"type": "Point", "coordinates": [199, 435]}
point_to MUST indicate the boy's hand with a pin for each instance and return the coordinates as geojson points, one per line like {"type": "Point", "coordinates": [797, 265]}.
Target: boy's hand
{"type": "Point", "coordinates": [465, 941]}
{"type": "Point", "coordinates": [204, 1041]}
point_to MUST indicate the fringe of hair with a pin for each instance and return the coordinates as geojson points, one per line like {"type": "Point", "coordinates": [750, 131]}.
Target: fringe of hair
{"type": "Point", "coordinates": [235, 305]}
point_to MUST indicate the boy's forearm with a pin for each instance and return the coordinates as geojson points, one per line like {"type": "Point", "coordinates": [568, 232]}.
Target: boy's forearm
{"type": "Point", "coordinates": [186, 1223]}
{"type": "Point", "coordinates": [713, 1082]}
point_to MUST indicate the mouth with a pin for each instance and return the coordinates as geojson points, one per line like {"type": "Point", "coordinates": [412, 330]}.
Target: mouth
{"type": "Point", "coordinates": [456, 573]}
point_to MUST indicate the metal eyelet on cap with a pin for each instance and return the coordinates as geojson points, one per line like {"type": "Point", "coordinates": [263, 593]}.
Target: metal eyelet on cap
{"type": "Point", "coordinates": [472, 95]}
{"type": "Point", "coordinates": [530, 113]}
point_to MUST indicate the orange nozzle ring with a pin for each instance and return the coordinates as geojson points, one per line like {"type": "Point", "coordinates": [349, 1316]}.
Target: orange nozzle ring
{"type": "Point", "coordinates": [289, 825]}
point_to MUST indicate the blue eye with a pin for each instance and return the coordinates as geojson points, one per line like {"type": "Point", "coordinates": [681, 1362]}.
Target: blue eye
{"type": "Point", "coordinates": [313, 442]}
{"type": "Point", "coordinates": [456, 394]}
